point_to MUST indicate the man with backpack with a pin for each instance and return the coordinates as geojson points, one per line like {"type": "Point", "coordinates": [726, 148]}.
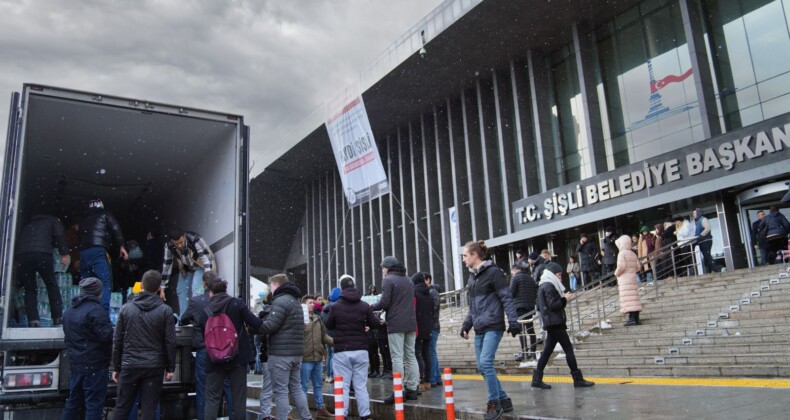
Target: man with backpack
{"type": "Point", "coordinates": [197, 306]}
{"type": "Point", "coordinates": [144, 348]}
{"type": "Point", "coordinates": [283, 322]}
{"type": "Point", "coordinates": [228, 348]}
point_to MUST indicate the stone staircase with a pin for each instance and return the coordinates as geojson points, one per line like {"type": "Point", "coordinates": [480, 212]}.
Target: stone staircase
{"type": "Point", "coordinates": [732, 324]}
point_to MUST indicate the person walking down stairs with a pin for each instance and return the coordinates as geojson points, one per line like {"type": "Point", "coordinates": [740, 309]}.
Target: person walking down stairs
{"type": "Point", "coordinates": [628, 288]}
{"type": "Point", "coordinates": [551, 305]}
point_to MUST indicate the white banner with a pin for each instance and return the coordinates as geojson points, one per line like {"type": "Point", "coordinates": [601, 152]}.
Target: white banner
{"type": "Point", "coordinates": [356, 153]}
{"type": "Point", "coordinates": [455, 245]}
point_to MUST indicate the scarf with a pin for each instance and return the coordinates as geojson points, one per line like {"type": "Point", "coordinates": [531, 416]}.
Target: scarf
{"type": "Point", "coordinates": [549, 277]}
{"type": "Point", "coordinates": [479, 268]}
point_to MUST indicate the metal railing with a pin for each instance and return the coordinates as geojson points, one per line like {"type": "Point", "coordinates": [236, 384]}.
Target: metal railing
{"type": "Point", "coordinates": [454, 303]}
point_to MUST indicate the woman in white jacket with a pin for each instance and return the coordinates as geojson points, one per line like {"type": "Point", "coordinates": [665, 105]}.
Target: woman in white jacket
{"type": "Point", "coordinates": [628, 288]}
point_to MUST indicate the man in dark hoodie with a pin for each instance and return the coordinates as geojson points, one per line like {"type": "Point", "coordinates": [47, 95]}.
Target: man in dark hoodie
{"type": "Point", "coordinates": [284, 323]}
{"type": "Point", "coordinates": [34, 255]}
{"type": "Point", "coordinates": [348, 318]}
{"type": "Point", "coordinates": [422, 348]}
{"type": "Point", "coordinates": [97, 231]}
{"type": "Point", "coordinates": [397, 298]}
{"type": "Point", "coordinates": [234, 371]}
{"type": "Point", "coordinates": [610, 251]}
{"type": "Point", "coordinates": [524, 290]}
{"type": "Point", "coordinates": [88, 337]}
{"type": "Point", "coordinates": [144, 348]}
{"type": "Point", "coordinates": [195, 309]}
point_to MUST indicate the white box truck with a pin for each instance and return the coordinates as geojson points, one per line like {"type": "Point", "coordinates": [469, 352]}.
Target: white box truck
{"type": "Point", "coordinates": [155, 166]}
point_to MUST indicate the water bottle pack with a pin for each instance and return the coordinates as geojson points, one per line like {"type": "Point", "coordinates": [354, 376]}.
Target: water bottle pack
{"type": "Point", "coordinates": [63, 279]}
{"type": "Point", "coordinates": [59, 268]}
{"type": "Point", "coordinates": [116, 300]}
{"type": "Point", "coordinates": [114, 315]}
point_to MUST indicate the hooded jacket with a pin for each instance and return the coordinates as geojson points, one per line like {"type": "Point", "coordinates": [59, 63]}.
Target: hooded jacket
{"type": "Point", "coordinates": [524, 290]}
{"type": "Point", "coordinates": [775, 225]}
{"type": "Point", "coordinates": [609, 249]}
{"type": "Point", "coordinates": [424, 308]}
{"type": "Point", "coordinates": [551, 305]}
{"type": "Point", "coordinates": [397, 298]}
{"type": "Point", "coordinates": [145, 335]}
{"type": "Point", "coordinates": [42, 234]}
{"type": "Point", "coordinates": [436, 307]}
{"type": "Point", "coordinates": [284, 322]}
{"type": "Point", "coordinates": [347, 320]}
{"type": "Point", "coordinates": [88, 334]}
{"type": "Point", "coordinates": [99, 229]}
{"type": "Point", "coordinates": [489, 300]}
{"type": "Point", "coordinates": [627, 267]}
{"type": "Point", "coordinates": [315, 336]}
{"type": "Point", "coordinates": [586, 256]}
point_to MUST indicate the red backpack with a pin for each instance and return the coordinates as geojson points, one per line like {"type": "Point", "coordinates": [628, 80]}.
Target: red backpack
{"type": "Point", "coordinates": [220, 336]}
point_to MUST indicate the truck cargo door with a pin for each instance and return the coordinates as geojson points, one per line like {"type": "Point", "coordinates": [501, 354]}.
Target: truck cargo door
{"type": "Point", "coordinates": [244, 230]}
{"type": "Point", "coordinates": [8, 187]}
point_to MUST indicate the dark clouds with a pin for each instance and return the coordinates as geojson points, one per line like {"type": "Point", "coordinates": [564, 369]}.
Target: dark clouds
{"type": "Point", "coordinates": [272, 61]}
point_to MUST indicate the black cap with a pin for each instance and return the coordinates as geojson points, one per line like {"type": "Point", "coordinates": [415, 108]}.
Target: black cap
{"type": "Point", "coordinates": [533, 256]}
{"type": "Point", "coordinates": [554, 268]}
{"type": "Point", "coordinates": [418, 278]}
{"type": "Point", "coordinates": [346, 282]}
{"type": "Point", "coordinates": [610, 229]}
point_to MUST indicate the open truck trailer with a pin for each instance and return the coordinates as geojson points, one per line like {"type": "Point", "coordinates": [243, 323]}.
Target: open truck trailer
{"type": "Point", "coordinates": [155, 166]}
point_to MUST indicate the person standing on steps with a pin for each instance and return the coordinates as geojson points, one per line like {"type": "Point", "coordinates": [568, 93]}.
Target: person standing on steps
{"type": "Point", "coordinates": [775, 229]}
{"type": "Point", "coordinates": [628, 288]}
{"type": "Point", "coordinates": [758, 241]}
{"type": "Point", "coordinates": [524, 290]}
{"type": "Point", "coordinates": [704, 241]}
{"type": "Point", "coordinates": [489, 301]}
{"type": "Point", "coordinates": [551, 302]}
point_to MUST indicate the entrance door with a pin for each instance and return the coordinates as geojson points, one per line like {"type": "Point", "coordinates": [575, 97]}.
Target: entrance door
{"type": "Point", "coordinates": [750, 203]}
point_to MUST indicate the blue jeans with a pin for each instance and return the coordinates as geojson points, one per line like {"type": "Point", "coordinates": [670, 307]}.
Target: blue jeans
{"type": "Point", "coordinates": [94, 262]}
{"type": "Point", "coordinates": [133, 413]}
{"type": "Point", "coordinates": [88, 389]}
{"type": "Point", "coordinates": [436, 376]}
{"type": "Point", "coordinates": [486, 345]}
{"type": "Point", "coordinates": [190, 284]}
{"type": "Point", "coordinates": [314, 371]}
{"type": "Point", "coordinates": [330, 352]}
{"type": "Point", "coordinates": [200, 385]}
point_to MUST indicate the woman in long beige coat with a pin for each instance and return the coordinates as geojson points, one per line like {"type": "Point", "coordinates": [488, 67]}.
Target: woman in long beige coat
{"type": "Point", "coordinates": [628, 288]}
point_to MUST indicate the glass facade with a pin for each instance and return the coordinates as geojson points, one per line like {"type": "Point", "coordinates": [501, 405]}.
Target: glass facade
{"type": "Point", "coordinates": [649, 98]}
{"type": "Point", "coordinates": [750, 45]}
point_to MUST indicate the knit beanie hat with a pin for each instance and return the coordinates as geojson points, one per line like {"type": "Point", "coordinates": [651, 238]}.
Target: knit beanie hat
{"type": "Point", "coordinates": [554, 267]}
{"type": "Point", "coordinates": [91, 286]}
{"type": "Point", "coordinates": [418, 278]}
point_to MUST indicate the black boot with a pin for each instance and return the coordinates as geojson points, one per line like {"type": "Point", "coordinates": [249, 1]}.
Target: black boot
{"type": "Point", "coordinates": [636, 318]}
{"type": "Point", "coordinates": [578, 380]}
{"type": "Point", "coordinates": [537, 380]}
{"type": "Point", "coordinates": [631, 320]}
{"type": "Point", "coordinates": [493, 410]}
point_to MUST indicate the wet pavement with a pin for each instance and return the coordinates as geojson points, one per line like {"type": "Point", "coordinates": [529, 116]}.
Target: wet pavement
{"type": "Point", "coordinates": [604, 401]}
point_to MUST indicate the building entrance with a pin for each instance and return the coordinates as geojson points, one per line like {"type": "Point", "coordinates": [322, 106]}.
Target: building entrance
{"type": "Point", "coordinates": [750, 203]}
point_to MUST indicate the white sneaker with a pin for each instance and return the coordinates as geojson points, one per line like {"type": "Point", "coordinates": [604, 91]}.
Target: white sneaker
{"type": "Point", "coordinates": [560, 356]}
{"type": "Point", "coordinates": [530, 364]}
{"type": "Point", "coordinates": [605, 325]}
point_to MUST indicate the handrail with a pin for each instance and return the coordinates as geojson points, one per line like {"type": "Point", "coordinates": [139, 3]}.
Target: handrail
{"type": "Point", "coordinates": [455, 300]}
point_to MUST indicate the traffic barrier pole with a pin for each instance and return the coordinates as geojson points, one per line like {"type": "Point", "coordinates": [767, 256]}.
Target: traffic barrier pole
{"type": "Point", "coordinates": [448, 393]}
{"type": "Point", "coordinates": [339, 404]}
{"type": "Point", "coordinates": [398, 390]}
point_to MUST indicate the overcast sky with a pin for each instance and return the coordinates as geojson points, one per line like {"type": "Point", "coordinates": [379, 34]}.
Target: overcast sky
{"type": "Point", "coordinates": [272, 61]}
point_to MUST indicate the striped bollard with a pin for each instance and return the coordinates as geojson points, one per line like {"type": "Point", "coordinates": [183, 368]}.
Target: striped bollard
{"type": "Point", "coordinates": [339, 405]}
{"type": "Point", "coordinates": [397, 380]}
{"type": "Point", "coordinates": [448, 393]}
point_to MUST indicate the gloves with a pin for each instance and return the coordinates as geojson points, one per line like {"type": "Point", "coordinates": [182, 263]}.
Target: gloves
{"type": "Point", "coordinates": [515, 329]}
{"type": "Point", "coordinates": [464, 332]}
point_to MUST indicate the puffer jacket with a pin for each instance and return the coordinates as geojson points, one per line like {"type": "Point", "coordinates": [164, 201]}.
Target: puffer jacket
{"type": "Point", "coordinates": [88, 334]}
{"type": "Point", "coordinates": [145, 335]}
{"type": "Point", "coordinates": [436, 308]}
{"type": "Point", "coordinates": [524, 291]}
{"type": "Point", "coordinates": [397, 298]}
{"type": "Point", "coordinates": [551, 307]}
{"type": "Point", "coordinates": [627, 267]}
{"type": "Point", "coordinates": [315, 337]}
{"type": "Point", "coordinates": [776, 225]}
{"type": "Point", "coordinates": [347, 320]}
{"type": "Point", "coordinates": [284, 322]}
{"type": "Point", "coordinates": [195, 309]}
{"type": "Point", "coordinates": [240, 315]}
{"type": "Point", "coordinates": [96, 230]}
{"type": "Point", "coordinates": [42, 234]}
{"type": "Point", "coordinates": [424, 308]}
{"type": "Point", "coordinates": [489, 300]}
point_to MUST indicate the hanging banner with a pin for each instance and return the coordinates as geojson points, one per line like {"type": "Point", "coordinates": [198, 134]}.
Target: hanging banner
{"type": "Point", "coordinates": [455, 245]}
{"type": "Point", "coordinates": [356, 153]}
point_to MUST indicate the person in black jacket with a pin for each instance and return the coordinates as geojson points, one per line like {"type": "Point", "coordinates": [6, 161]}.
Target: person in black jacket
{"type": "Point", "coordinates": [610, 251]}
{"type": "Point", "coordinates": [524, 290]}
{"type": "Point", "coordinates": [348, 318]}
{"type": "Point", "coordinates": [775, 228]}
{"type": "Point", "coordinates": [195, 310]}
{"type": "Point", "coordinates": [758, 241]}
{"type": "Point", "coordinates": [96, 230]}
{"type": "Point", "coordinates": [284, 323]}
{"type": "Point", "coordinates": [489, 300]}
{"type": "Point", "coordinates": [551, 302]}
{"type": "Point", "coordinates": [587, 265]}
{"type": "Point", "coordinates": [422, 347]}
{"type": "Point", "coordinates": [144, 346]}
{"type": "Point", "coordinates": [540, 263]}
{"type": "Point", "coordinates": [87, 334]}
{"type": "Point", "coordinates": [34, 255]}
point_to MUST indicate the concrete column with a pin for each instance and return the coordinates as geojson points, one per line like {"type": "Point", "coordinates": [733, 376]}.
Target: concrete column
{"type": "Point", "coordinates": [586, 55]}
{"type": "Point", "coordinates": [540, 90]}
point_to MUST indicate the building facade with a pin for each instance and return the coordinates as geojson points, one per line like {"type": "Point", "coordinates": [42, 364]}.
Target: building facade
{"type": "Point", "coordinates": [525, 125]}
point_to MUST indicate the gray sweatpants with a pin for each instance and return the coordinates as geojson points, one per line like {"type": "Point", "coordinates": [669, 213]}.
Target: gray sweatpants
{"type": "Point", "coordinates": [285, 372]}
{"type": "Point", "coordinates": [353, 367]}
{"type": "Point", "coordinates": [266, 392]}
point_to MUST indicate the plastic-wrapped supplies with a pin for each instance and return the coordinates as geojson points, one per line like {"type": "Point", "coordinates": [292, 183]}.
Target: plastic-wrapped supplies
{"type": "Point", "coordinates": [60, 268]}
